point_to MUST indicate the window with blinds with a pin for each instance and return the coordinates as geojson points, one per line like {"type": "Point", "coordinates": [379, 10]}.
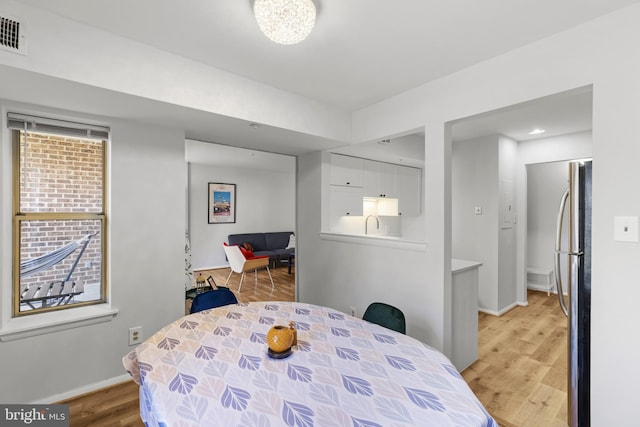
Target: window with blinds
{"type": "Point", "coordinates": [59, 214]}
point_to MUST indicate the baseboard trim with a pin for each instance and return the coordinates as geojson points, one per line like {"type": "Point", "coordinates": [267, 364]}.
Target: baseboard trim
{"type": "Point", "coordinates": [83, 390]}
{"type": "Point", "coordinates": [216, 267]}
{"type": "Point", "coordinates": [501, 312]}
{"type": "Point", "coordinates": [542, 288]}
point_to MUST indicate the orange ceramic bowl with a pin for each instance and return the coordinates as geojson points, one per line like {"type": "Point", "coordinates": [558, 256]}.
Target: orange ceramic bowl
{"type": "Point", "coordinates": [279, 338]}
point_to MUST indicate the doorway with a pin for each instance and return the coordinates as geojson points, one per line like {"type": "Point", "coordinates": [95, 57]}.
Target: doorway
{"type": "Point", "coordinates": [566, 119]}
{"type": "Point", "coordinates": [546, 183]}
{"type": "Point", "coordinates": [568, 137]}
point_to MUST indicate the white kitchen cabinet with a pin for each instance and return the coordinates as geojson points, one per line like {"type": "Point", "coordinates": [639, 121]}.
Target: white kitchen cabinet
{"type": "Point", "coordinates": [345, 201]}
{"type": "Point", "coordinates": [409, 190]}
{"type": "Point", "coordinates": [346, 171]}
{"type": "Point", "coordinates": [464, 312]}
{"type": "Point", "coordinates": [380, 179]}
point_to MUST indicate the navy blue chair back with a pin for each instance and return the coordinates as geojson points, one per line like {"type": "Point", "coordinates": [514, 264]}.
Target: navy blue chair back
{"type": "Point", "coordinates": [212, 299]}
{"type": "Point", "coordinates": [386, 315]}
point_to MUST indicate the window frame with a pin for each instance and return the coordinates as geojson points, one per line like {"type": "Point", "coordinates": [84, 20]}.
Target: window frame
{"type": "Point", "coordinates": [18, 217]}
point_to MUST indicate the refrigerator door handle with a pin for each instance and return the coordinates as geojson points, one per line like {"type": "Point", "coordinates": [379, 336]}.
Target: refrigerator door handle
{"type": "Point", "coordinates": [558, 252]}
{"type": "Point", "coordinates": [570, 253]}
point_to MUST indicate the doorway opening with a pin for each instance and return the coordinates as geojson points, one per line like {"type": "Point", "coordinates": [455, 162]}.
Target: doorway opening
{"type": "Point", "coordinates": [508, 250]}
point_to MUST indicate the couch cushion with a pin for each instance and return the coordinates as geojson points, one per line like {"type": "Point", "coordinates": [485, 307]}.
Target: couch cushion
{"type": "Point", "coordinates": [257, 240]}
{"type": "Point", "coordinates": [277, 240]}
{"type": "Point", "coordinates": [292, 242]}
{"type": "Point", "coordinates": [247, 254]}
{"type": "Point", "coordinates": [284, 253]}
{"type": "Point", "coordinates": [272, 255]}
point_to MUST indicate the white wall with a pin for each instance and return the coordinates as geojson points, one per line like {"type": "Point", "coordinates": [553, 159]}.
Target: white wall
{"type": "Point", "coordinates": [482, 174]}
{"type": "Point", "coordinates": [598, 53]}
{"type": "Point", "coordinates": [145, 268]}
{"type": "Point", "coordinates": [546, 183]}
{"type": "Point", "coordinates": [343, 273]}
{"type": "Point", "coordinates": [309, 219]}
{"type": "Point", "coordinates": [507, 156]}
{"type": "Point", "coordinates": [265, 202]}
{"type": "Point", "coordinates": [543, 150]}
{"type": "Point", "coordinates": [474, 182]}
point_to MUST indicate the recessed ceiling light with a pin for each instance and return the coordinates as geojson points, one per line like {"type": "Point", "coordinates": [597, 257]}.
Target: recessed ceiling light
{"type": "Point", "coordinates": [537, 131]}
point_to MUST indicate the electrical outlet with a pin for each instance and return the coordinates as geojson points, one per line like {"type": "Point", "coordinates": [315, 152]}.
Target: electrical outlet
{"type": "Point", "coordinates": [353, 311]}
{"type": "Point", "coordinates": [135, 335]}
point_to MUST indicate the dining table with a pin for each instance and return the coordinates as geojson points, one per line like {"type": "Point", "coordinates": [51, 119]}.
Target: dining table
{"type": "Point", "coordinates": [213, 368]}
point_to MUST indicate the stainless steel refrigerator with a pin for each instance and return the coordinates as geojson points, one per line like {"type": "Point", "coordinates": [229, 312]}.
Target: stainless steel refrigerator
{"type": "Point", "coordinates": [578, 287]}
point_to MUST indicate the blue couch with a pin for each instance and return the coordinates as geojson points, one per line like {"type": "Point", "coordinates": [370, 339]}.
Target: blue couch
{"type": "Point", "coordinates": [273, 244]}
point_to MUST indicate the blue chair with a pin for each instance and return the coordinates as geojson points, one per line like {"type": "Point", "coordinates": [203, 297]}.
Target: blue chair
{"type": "Point", "coordinates": [212, 299]}
{"type": "Point", "coordinates": [386, 315]}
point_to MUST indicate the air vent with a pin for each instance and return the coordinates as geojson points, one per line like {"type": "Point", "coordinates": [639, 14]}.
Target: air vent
{"type": "Point", "coordinates": [12, 35]}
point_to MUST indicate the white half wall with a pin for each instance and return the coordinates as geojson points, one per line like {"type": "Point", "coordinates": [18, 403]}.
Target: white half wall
{"type": "Point", "coordinates": [343, 273]}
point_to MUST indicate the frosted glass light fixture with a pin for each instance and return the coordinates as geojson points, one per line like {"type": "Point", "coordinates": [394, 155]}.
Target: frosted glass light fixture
{"type": "Point", "coordinates": [285, 21]}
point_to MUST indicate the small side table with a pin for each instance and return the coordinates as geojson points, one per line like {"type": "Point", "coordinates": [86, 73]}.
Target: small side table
{"type": "Point", "coordinates": [291, 259]}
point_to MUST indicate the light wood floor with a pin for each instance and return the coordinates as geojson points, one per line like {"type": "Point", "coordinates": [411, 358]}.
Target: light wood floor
{"type": "Point", "coordinates": [520, 375]}
{"type": "Point", "coordinates": [119, 405]}
{"type": "Point", "coordinates": [521, 372]}
{"type": "Point", "coordinates": [256, 291]}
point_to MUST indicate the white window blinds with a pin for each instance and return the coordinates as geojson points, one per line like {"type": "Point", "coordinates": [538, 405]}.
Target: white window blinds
{"type": "Point", "coordinates": [54, 126]}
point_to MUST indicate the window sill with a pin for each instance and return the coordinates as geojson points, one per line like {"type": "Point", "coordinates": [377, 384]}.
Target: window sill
{"type": "Point", "coordinates": [45, 323]}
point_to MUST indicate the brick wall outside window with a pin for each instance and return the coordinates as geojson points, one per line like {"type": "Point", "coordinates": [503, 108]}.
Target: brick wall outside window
{"type": "Point", "coordinates": [61, 174]}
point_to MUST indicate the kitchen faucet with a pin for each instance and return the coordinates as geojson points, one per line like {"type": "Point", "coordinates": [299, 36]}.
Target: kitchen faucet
{"type": "Point", "coordinates": [366, 221]}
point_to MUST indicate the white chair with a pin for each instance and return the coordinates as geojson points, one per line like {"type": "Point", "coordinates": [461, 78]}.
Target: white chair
{"type": "Point", "coordinates": [239, 264]}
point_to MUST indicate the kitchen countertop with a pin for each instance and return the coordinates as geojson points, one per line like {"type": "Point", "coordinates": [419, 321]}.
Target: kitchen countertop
{"type": "Point", "coordinates": [460, 265]}
{"type": "Point", "coordinates": [372, 240]}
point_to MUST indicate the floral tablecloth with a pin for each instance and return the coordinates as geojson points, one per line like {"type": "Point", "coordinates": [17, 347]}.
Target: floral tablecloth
{"type": "Point", "coordinates": [212, 369]}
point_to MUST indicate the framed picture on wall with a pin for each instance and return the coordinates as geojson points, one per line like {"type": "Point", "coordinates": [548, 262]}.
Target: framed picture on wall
{"type": "Point", "coordinates": [222, 203]}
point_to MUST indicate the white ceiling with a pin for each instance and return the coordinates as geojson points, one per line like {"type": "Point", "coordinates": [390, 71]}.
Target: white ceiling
{"type": "Point", "coordinates": [360, 51]}
{"type": "Point", "coordinates": [558, 114]}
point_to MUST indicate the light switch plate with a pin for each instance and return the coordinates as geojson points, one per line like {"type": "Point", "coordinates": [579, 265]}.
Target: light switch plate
{"type": "Point", "coordinates": [625, 229]}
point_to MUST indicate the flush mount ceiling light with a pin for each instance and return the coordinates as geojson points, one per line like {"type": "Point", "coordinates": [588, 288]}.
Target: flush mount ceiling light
{"type": "Point", "coordinates": [537, 131]}
{"type": "Point", "coordinates": [285, 21]}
